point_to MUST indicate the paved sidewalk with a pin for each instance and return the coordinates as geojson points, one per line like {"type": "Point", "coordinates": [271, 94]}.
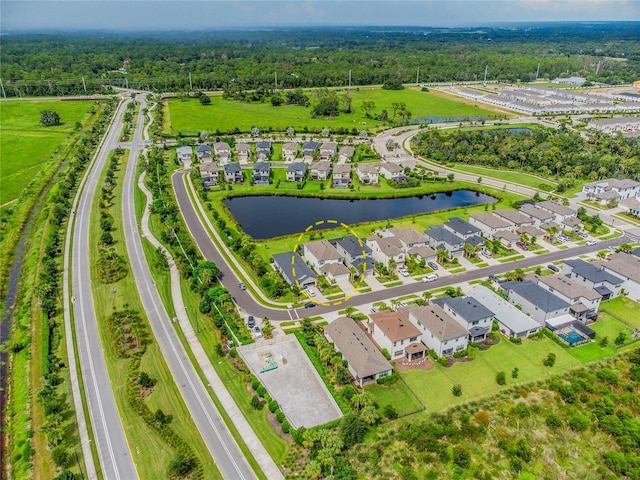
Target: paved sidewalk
{"type": "Point", "coordinates": [258, 451]}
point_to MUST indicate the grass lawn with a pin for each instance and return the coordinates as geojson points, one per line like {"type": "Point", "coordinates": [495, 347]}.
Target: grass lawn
{"type": "Point", "coordinates": [189, 117]}
{"type": "Point", "coordinates": [397, 395]}
{"type": "Point", "coordinates": [506, 175]}
{"type": "Point", "coordinates": [26, 145]}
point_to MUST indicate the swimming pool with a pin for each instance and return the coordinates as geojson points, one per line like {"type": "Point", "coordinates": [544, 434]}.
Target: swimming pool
{"type": "Point", "coordinates": [572, 337]}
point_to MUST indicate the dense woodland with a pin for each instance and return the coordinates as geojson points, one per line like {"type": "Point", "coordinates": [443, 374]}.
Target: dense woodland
{"type": "Point", "coordinates": [54, 64]}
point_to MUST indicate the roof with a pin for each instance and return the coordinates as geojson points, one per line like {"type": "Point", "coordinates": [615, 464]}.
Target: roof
{"type": "Point", "coordinates": [392, 167]}
{"type": "Point", "coordinates": [322, 250]}
{"type": "Point", "coordinates": [491, 220]}
{"type": "Point", "coordinates": [290, 262]}
{"type": "Point", "coordinates": [297, 167]}
{"type": "Point", "coordinates": [422, 251]}
{"type": "Point", "coordinates": [186, 150]}
{"type": "Point", "coordinates": [394, 325]}
{"type": "Point", "coordinates": [557, 208]}
{"type": "Point", "coordinates": [592, 272]}
{"type": "Point", "coordinates": [290, 146]}
{"type": "Point", "coordinates": [208, 168]}
{"type": "Point", "coordinates": [461, 227]}
{"type": "Point", "coordinates": [232, 168]}
{"type": "Point", "coordinates": [436, 321]}
{"type": "Point", "coordinates": [310, 145]}
{"type": "Point", "coordinates": [607, 195]}
{"type": "Point", "coordinates": [536, 212]}
{"type": "Point", "coordinates": [624, 264]}
{"type": "Point", "coordinates": [242, 147]}
{"type": "Point", "coordinates": [357, 349]}
{"type": "Point", "coordinates": [203, 148]}
{"type": "Point", "coordinates": [513, 216]}
{"type": "Point", "coordinates": [507, 235]}
{"type": "Point", "coordinates": [390, 246]}
{"type": "Point", "coordinates": [475, 241]}
{"type": "Point", "coordinates": [415, 348]}
{"type": "Point", "coordinates": [221, 146]}
{"type": "Point", "coordinates": [334, 269]}
{"type": "Point", "coordinates": [467, 307]}
{"type": "Point", "coordinates": [530, 230]}
{"type": "Point", "coordinates": [341, 169]}
{"type": "Point", "coordinates": [263, 145]}
{"type": "Point", "coordinates": [535, 294]}
{"type": "Point", "coordinates": [565, 286]}
{"type": "Point", "coordinates": [347, 151]}
{"type": "Point", "coordinates": [571, 221]}
{"type": "Point", "coordinates": [407, 235]}
{"type": "Point", "coordinates": [261, 167]}
{"type": "Point", "coordinates": [631, 203]}
{"type": "Point", "coordinates": [321, 165]}
{"type": "Point", "coordinates": [622, 183]}
{"type": "Point", "coordinates": [505, 312]}
{"type": "Point", "coordinates": [440, 234]}
{"type": "Point", "coordinates": [353, 246]}
{"type": "Point", "coordinates": [367, 168]}
{"type": "Point", "coordinates": [329, 146]}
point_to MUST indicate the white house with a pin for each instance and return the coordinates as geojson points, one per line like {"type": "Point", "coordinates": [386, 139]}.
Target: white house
{"type": "Point", "coordinates": [209, 174]}
{"type": "Point", "coordinates": [408, 236]}
{"type": "Point", "coordinates": [367, 173]}
{"type": "Point", "coordinates": [341, 176]}
{"type": "Point", "coordinates": [537, 215]}
{"type": "Point", "coordinates": [289, 151]}
{"type": "Point", "coordinates": [335, 271]}
{"type": "Point", "coordinates": [440, 332]}
{"type": "Point", "coordinates": [296, 171]}
{"type": "Point", "coordinates": [221, 149]}
{"type": "Point", "coordinates": [184, 153]}
{"type": "Point", "coordinates": [515, 217]}
{"type": "Point", "coordinates": [244, 151]}
{"type": "Point", "coordinates": [293, 269]}
{"type": "Point", "coordinates": [394, 332]}
{"type": "Point", "coordinates": [233, 173]}
{"type": "Point", "coordinates": [559, 211]}
{"type": "Point", "coordinates": [594, 277]}
{"type": "Point", "coordinates": [627, 267]}
{"type": "Point", "coordinates": [584, 301]}
{"type": "Point", "coordinates": [543, 306]}
{"type": "Point", "coordinates": [203, 151]}
{"type": "Point", "coordinates": [321, 252]}
{"type": "Point", "coordinates": [320, 170]}
{"type": "Point", "coordinates": [385, 249]}
{"type": "Point", "coordinates": [474, 317]}
{"type": "Point", "coordinates": [612, 188]}
{"type": "Point", "coordinates": [490, 224]}
{"type": "Point", "coordinates": [392, 171]}
{"type": "Point", "coordinates": [345, 155]}
{"type": "Point", "coordinates": [328, 150]}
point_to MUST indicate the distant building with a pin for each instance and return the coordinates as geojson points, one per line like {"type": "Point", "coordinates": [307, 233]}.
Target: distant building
{"type": "Point", "coordinates": [578, 81]}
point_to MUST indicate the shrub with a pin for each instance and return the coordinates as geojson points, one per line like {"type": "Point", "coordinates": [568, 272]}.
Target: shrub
{"type": "Point", "coordinates": [461, 457]}
{"type": "Point", "coordinates": [256, 403]}
{"type": "Point", "coordinates": [390, 412]}
{"type": "Point", "coordinates": [181, 465]}
{"type": "Point", "coordinates": [515, 372]}
{"type": "Point", "coordinates": [261, 391]}
{"type": "Point", "coordinates": [578, 423]}
{"type": "Point", "coordinates": [516, 341]}
{"type": "Point", "coordinates": [456, 390]}
{"type": "Point", "coordinates": [444, 361]}
{"type": "Point", "coordinates": [501, 378]}
{"type": "Point", "coordinates": [61, 457]}
{"type": "Point", "coordinates": [286, 427]}
{"type": "Point", "coordinates": [553, 421]}
{"type": "Point", "coordinates": [482, 418]}
{"type": "Point", "coordinates": [550, 360]}
{"type": "Point", "coordinates": [255, 383]}
{"type": "Point", "coordinates": [66, 475]}
{"type": "Point", "coordinates": [280, 417]}
{"type": "Point", "coordinates": [273, 406]}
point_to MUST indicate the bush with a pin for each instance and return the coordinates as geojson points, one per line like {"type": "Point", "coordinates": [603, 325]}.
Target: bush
{"type": "Point", "coordinates": [280, 417]}
{"type": "Point", "coordinates": [181, 465]}
{"type": "Point", "coordinates": [61, 457]}
{"type": "Point", "coordinates": [255, 384]}
{"type": "Point", "coordinates": [550, 360]}
{"type": "Point", "coordinates": [444, 361]}
{"type": "Point", "coordinates": [390, 412]}
{"type": "Point", "coordinates": [256, 403]}
{"type": "Point", "coordinates": [461, 457]}
{"type": "Point", "coordinates": [66, 475]}
{"type": "Point", "coordinates": [456, 390]}
{"type": "Point", "coordinates": [553, 421]}
{"type": "Point", "coordinates": [286, 427]}
{"type": "Point", "coordinates": [578, 423]}
{"type": "Point", "coordinates": [261, 391]}
{"type": "Point", "coordinates": [501, 378]}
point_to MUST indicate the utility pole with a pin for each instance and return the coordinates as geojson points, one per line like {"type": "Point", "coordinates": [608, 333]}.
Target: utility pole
{"type": "Point", "coordinates": [484, 82]}
{"type": "Point", "coordinates": [418, 76]}
{"type": "Point", "coordinates": [538, 72]}
{"type": "Point", "coordinates": [4, 94]}
{"type": "Point", "coordinates": [349, 79]}
{"type": "Point", "coordinates": [190, 82]}
{"type": "Point", "coordinates": [275, 82]}
{"type": "Point", "coordinates": [84, 85]}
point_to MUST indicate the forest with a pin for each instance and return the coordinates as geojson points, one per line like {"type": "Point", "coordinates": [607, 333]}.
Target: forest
{"type": "Point", "coordinates": [63, 64]}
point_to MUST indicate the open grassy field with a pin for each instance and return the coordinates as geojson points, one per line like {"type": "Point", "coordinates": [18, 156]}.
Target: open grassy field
{"type": "Point", "coordinates": [25, 145]}
{"type": "Point", "coordinates": [521, 178]}
{"type": "Point", "coordinates": [189, 117]}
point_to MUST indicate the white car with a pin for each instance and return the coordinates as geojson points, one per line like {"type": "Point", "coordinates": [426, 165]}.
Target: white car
{"type": "Point", "coordinates": [591, 242]}
{"type": "Point", "coordinates": [404, 272]}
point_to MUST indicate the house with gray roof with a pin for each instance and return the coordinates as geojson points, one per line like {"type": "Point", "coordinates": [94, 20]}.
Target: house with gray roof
{"type": "Point", "coordinates": [203, 151]}
{"type": "Point", "coordinates": [293, 269]}
{"type": "Point", "coordinates": [385, 249]}
{"type": "Point", "coordinates": [321, 252]}
{"type": "Point", "coordinates": [184, 153]}
{"type": "Point", "coordinates": [393, 171]}
{"type": "Point", "coordinates": [594, 277]}
{"type": "Point", "coordinates": [320, 170]}
{"type": "Point", "coordinates": [296, 171]}
{"type": "Point", "coordinates": [440, 332]}
{"type": "Point", "coordinates": [263, 149]}
{"type": "Point", "coordinates": [356, 253]}
{"type": "Point", "coordinates": [441, 238]}
{"type": "Point", "coordinates": [364, 361]}
{"type": "Point", "coordinates": [474, 317]}
{"type": "Point", "coordinates": [584, 301]}
{"type": "Point", "coordinates": [209, 174]}
{"type": "Point", "coordinates": [538, 215]}
{"type": "Point", "coordinates": [345, 155]}
{"type": "Point", "coordinates": [543, 306]}
{"type": "Point", "coordinates": [489, 224]}
{"type": "Point", "coordinates": [627, 267]}
{"type": "Point", "coordinates": [461, 228]}
{"type": "Point", "coordinates": [261, 173]}
{"type": "Point", "coordinates": [309, 148]}
{"type": "Point", "coordinates": [233, 173]}
{"type": "Point", "coordinates": [512, 321]}
{"type": "Point", "coordinates": [612, 188]}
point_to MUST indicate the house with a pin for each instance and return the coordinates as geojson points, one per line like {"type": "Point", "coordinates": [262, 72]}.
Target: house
{"type": "Point", "coordinates": [345, 155]}
{"type": "Point", "coordinates": [584, 301]}
{"type": "Point", "coordinates": [394, 333]}
{"type": "Point", "coordinates": [607, 197]}
{"type": "Point", "coordinates": [296, 171]}
{"type": "Point", "coordinates": [320, 170]}
{"type": "Point", "coordinates": [441, 238]}
{"type": "Point", "coordinates": [209, 174]}
{"type": "Point", "coordinates": [203, 151]}
{"type": "Point", "coordinates": [261, 172]}
{"type": "Point", "coordinates": [631, 205]}
{"type": "Point", "coordinates": [425, 253]}
{"type": "Point", "coordinates": [511, 321]}
{"type": "Point", "coordinates": [364, 361]}
{"type": "Point", "coordinates": [293, 269]}
{"type": "Point", "coordinates": [530, 230]}
{"type": "Point", "coordinates": [627, 267]}
{"type": "Point", "coordinates": [367, 173]}
{"type": "Point", "coordinates": [233, 173]}
{"type": "Point", "coordinates": [507, 239]}
{"type": "Point", "coordinates": [290, 151]}
{"type": "Point", "coordinates": [244, 151]}
{"type": "Point", "coordinates": [469, 233]}
{"type": "Point", "coordinates": [356, 254]}
{"type": "Point", "coordinates": [475, 318]}
{"type": "Point", "coordinates": [543, 306]}
{"type": "Point", "coordinates": [614, 188]}
{"type": "Point", "coordinates": [341, 176]}
{"type": "Point", "coordinates": [408, 236]}
{"type": "Point", "coordinates": [392, 171]}
{"type": "Point", "coordinates": [440, 332]}
{"type": "Point", "coordinates": [559, 211]}
{"type": "Point", "coordinates": [571, 223]}
{"type": "Point", "coordinates": [321, 252]}
{"type": "Point", "coordinates": [515, 217]}
{"type": "Point", "coordinates": [263, 149]}
{"type": "Point", "coordinates": [537, 215]}
{"type": "Point", "coordinates": [335, 271]}
{"type": "Point", "coordinates": [616, 124]}
{"type": "Point", "coordinates": [222, 149]}
{"type": "Point", "coordinates": [184, 153]}
{"type": "Point", "coordinates": [386, 249]}
{"type": "Point", "coordinates": [490, 224]}
{"type": "Point", "coordinates": [328, 150]}
{"type": "Point", "coordinates": [309, 148]}
{"type": "Point", "coordinates": [593, 277]}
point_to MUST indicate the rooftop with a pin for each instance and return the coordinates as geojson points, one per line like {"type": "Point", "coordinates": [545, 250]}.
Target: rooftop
{"type": "Point", "coordinates": [467, 307]}
{"type": "Point", "coordinates": [461, 227]}
{"type": "Point", "coordinates": [592, 272]}
{"type": "Point", "coordinates": [491, 220]}
{"type": "Point", "coordinates": [557, 208]}
{"type": "Point", "coordinates": [394, 325]}
{"type": "Point", "coordinates": [353, 246]}
{"type": "Point", "coordinates": [408, 236]}
{"type": "Point", "coordinates": [624, 264]}
{"type": "Point", "coordinates": [565, 286]}
{"type": "Point", "coordinates": [536, 212]}
{"type": "Point", "coordinates": [290, 262]}
{"type": "Point", "coordinates": [436, 321]}
{"type": "Point", "coordinates": [513, 216]}
{"type": "Point", "coordinates": [535, 294]}
{"type": "Point", "coordinates": [505, 312]}
{"type": "Point", "coordinates": [322, 250]}
{"type": "Point", "coordinates": [440, 234]}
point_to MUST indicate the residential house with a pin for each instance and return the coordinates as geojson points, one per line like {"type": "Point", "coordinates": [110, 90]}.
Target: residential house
{"type": "Point", "coordinates": [367, 173]}
{"type": "Point", "coordinates": [203, 152]}
{"type": "Point", "coordinates": [321, 252]}
{"type": "Point", "coordinates": [233, 173]}
{"type": "Point", "coordinates": [209, 174]}
{"type": "Point", "coordinates": [507, 238]}
{"type": "Point", "coordinates": [543, 306]}
{"type": "Point", "coordinates": [538, 215]}
{"type": "Point", "coordinates": [594, 277]}
{"type": "Point", "coordinates": [584, 301]}
{"type": "Point", "coordinates": [515, 217]}
{"type": "Point", "coordinates": [475, 318]}
{"type": "Point", "coordinates": [320, 170]}
{"type": "Point", "coordinates": [440, 332]}
{"type": "Point", "coordinates": [441, 238]}
{"type": "Point", "coordinates": [461, 228]}
{"type": "Point", "coordinates": [293, 269]}
{"type": "Point", "coordinates": [425, 253]}
{"type": "Point", "coordinates": [392, 171]}
{"type": "Point", "coordinates": [328, 150]}
{"type": "Point", "coordinates": [261, 173]}
{"type": "Point", "coordinates": [296, 171]}
{"type": "Point", "coordinates": [335, 271]}
{"type": "Point", "coordinates": [244, 151]}
{"type": "Point", "coordinates": [263, 149]}
{"type": "Point", "coordinates": [611, 189]}
{"type": "Point", "coordinates": [341, 176]}
{"type": "Point", "coordinates": [408, 236]}
{"type": "Point", "coordinates": [356, 253]}
{"type": "Point", "coordinates": [184, 153]}
{"type": "Point", "coordinates": [221, 150]}
{"type": "Point", "coordinates": [394, 333]}
{"type": "Point", "coordinates": [345, 155]}
{"type": "Point", "coordinates": [616, 124]}
{"type": "Point", "coordinates": [511, 320]}
{"type": "Point", "coordinates": [531, 231]}
{"type": "Point", "coordinates": [490, 224]}
{"type": "Point", "coordinates": [386, 249]}
{"type": "Point", "coordinates": [309, 148]}
{"type": "Point", "coordinates": [290, 151]}
{"type": "Point", "coordinates": [559, 211]}
{"type": "Point", "coordinates": [627, 267]}
{"type": "Point", "coordinates": [631, 205]}
{"type": "Point", "coordinates": [364, 361]}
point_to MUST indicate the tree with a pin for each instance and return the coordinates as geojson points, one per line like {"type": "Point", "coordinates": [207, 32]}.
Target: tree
{"type": "Point", "coordinates": [370, 415]}
{"type": "Point", "coordinates": [442, 255]}
{"type": "Point", "coordinates": [456, 390]}
{"type": "Point", "coordinates": [501, 378]}
{"type": "Point", "coordinates": [181, 465]}
{"type": "Point", "coordinates": [368, 107]}
{"type": "Point", "coordinates": [461, 457]}
{"type": "Point", "coordinates": [451, 177]}
{"type": "Point", "coordinates": [352, 430]}
{"type": "Point", "coordinates": [49, 118]}
{"type": "Point", "coordinates": [267, 327]}
{"type": "Point", "coordinates": [625, 247]}
{"type": "Point", "coordinates": [515, 372]}
{"type": "Point", "coordinates": [390, 412]}
{"type": "Point", "coordinates": [620, 339]}
{"type": "Point", "coordinates": [327, 107]}
{"type": "Point", "coordinates": [549, 360]}
{"type": "Point", "coordinates": [106, 238]}
{"type": "Point", "coordinates": [204, 99]}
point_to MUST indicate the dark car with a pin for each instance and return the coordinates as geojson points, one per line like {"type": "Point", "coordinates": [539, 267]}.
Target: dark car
{"type": "Point", "coordinates": [310, 305]}
{"type": "Point", "coordinates": [251, 322]}
{"type": "Point", "coordinates": [495, 278]}
{"type": "Point", "coordinates": [553, 268]}
{"type": "Point", "coordinates": [432, 265]}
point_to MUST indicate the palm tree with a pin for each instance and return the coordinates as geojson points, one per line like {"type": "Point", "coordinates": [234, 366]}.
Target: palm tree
{"type": "Point", "coordinates": [469, 250]}
{"type": "Point", "coordinates": [349, 311]}
{"type": "Point", "coordinates": [361, 400]}
{"type": "Point", "coordinates": [442, 255]}
{"type": "Point", "coordinates": [392, 266]}
{"type": "Point", "coordinates": [370, 415]}
{"type": "Point", "coordinates": [427, 295]}
{"type": "Point", "coordinates": [625, 247]}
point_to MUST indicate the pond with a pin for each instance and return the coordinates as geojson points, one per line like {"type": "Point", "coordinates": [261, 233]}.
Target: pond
{"type": "Point", "coordinates": [268, 216]}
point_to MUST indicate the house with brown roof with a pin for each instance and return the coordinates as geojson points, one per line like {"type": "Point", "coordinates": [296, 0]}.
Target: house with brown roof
{"type": "Point", "coordinates": [321, 252]}
{"type": "Point", "coordinates": [408, 236]}
{"type": "Point", "coordinates": [515, 217]}
{"type": "Point", "coordinates": [538, 215]}
{"type": "Point", "coordinates": [385, 249]}
{"type": "Point", "coordinates": [335, 271]}
{"type": "Point", "coordinates": [364, 361]}
{"type": "Point", "coordinates": [367, 173]}
{"type": "Point", "coordinates": [345, 155]}
{"type": "Point", "coordinates": [440, 332]}
{"type": "Point", "coordinates": [341, 176]}
{"type": "Point", "coordinates": [612, 188]}
{"type": "Point", "coordinates": [559, 211]}
{"type": "Point", "coordinates": [289, 151]}
{"type": "Point", "coordinates": [244, 151]}
{"type": "Point", "coordinates": [221, 149]}
{"type": "Point", "coordinates": [531, 231]}
{"type": "Point", "coordinates": [490, 224]}
{"type": "Point", "coordinates": [425, 253]}
{"type": "Point", "coordinates": [507, 238]}
{"type": "Point", "coordinates": [320, 170]}
{"type": "Point", "coordinates": [328, 150]}
{"type": "Point", "coordinates": [627, 267]}
{"type": "Point", "coordinates": [394, 333]}
{"type": "Point", "coordinates": [209, 174]}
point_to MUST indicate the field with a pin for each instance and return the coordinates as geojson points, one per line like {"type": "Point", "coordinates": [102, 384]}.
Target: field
{"type": "Point", "coordinates": [520, 178]}
{"type": "Point", "coordinates": [189, 117]}
{"type": "Point", "coordinates": [25, 145]}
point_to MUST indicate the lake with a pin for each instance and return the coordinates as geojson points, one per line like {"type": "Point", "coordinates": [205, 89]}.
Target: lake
{"type": "Point", "coordinates": [268, 216]}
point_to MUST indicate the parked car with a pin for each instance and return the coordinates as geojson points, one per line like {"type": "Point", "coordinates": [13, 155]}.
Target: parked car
{"type": "Point", "coordinates": [251, 322]}
{"type": "Point", "coordinates": [310, 292]}
{"type": "Point", "coordinates": [257, 333]}
{"type": "Point", "coordinates": [432, 277]}
{"type": "Point", "coordinates": [553, 268]}
{"type": "Point", "coordinates": [242, 286]}
{"type": "Point", "coordinates": [521, 246]}
{"type": "Point", "coordinates": [583, 234]}
{"type": "Point", "coordinates": [404, 272]}
{"type": "Point", "coordinates": [591, 242]}
{"type": "Point", "coordinates": [495, 278]}
{"type": "Point", "coordinates": [374, 310]}
{"type": "Point", "coordinates": [432, 265]}
{"type": "Point", "coordinates": [486, 253]}
{"type": "Point", "coordinates": [310, 304]}
{"type": "Point", "coordinates": [613, 248]}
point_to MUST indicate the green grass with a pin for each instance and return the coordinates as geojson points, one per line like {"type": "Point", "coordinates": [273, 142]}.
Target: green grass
{"type": "Point", "coordinates": [506, 175]}
{"type": "Point", "coordinates": [189, 117]}
{"type": "Point", "coordinates": [27, 146]}
{"type": "Point", "coordinates": [397, 395]}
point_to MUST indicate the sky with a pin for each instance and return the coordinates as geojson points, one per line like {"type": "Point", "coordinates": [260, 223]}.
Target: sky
{"type": "Point", "coordinates": [144, 15]}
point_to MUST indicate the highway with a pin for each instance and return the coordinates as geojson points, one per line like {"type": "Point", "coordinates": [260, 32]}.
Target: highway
{"type": "Point", "coordinates": [113, 451]}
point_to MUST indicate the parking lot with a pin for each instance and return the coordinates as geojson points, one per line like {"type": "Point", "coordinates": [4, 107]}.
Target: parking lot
{"type": "Point", "coordinates": [291, 380]}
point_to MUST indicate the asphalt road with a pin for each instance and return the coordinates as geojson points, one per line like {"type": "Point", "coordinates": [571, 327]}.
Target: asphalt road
{"type": "Point", "coordinates": [225, 451]}
{"type": "Point", "coordinates": [246, 301]}
{"type": "Point", "coordinates": [113, 451]}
